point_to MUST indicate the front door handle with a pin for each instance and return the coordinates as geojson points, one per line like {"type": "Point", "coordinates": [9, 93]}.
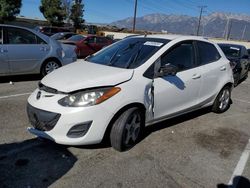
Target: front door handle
{"type": "Point", "coordinates": [196, 76]}
{"type": "Point", "coordinates": [223, 68]}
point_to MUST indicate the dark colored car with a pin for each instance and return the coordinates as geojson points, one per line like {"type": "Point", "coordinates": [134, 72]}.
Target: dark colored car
{"type": "Point", "coordinates": [63, 35]}
{"type": "Point", "coordinates": [87, 45]}
{"type": "Point", "coordinates": [239, 58]}
{"type": "Point", "coordinates": [49, 31]}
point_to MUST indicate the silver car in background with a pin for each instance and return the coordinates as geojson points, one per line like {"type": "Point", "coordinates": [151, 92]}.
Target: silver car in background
{"type": "Point", "coordinates": [26, 51]}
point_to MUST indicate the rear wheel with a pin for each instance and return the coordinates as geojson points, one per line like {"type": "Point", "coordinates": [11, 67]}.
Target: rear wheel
{"type": "Point", "coordinates": [127, 129]}
{"type": "Point", "coordinates": [49, 66]}
{"type": "Point", "coordinates": [222, 101]}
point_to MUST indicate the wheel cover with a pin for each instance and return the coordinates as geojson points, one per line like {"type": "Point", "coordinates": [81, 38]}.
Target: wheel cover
{"type": "Point", "coordinates": [132, 129]}
{"type": "Point", "coordinates": [51, 66]}
{"type": "Point", "coordinates": [224, 99]}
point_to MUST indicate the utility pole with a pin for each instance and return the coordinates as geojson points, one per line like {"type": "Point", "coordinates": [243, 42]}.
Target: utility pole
{"type": "Point", "coordinates": [199, 24]}
{"type": "Point", "coordinates": [243, 33]}
{"type": "Point", "coordinates": [229, 29]}
{"type": "Point", "coordinates": [135, 10]}
{"type": "Point", "coordinates": [226, 28]}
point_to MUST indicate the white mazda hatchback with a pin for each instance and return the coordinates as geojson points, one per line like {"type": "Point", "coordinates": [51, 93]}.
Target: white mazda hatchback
{"type": "Point", "coordinates": [133, 83]}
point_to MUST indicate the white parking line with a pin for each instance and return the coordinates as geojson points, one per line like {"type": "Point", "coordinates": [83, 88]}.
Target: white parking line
{"type": "Point", "coordinates": [240, 100]}
{"type": "Point", "coordinates": [241, 165]}
{"type": "Point", "coordinates": [16, 95]}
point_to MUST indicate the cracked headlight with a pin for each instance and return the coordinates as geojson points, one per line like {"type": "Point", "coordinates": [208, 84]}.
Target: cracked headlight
{"type": "Point", "coordinates": [88, 98]}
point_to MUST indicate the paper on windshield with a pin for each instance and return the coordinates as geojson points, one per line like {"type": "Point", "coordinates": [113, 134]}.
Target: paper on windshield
{"type": "Point", "coordinates": [150, 43]}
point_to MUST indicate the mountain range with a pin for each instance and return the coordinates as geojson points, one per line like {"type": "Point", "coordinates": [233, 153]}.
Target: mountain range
{"type": "Point", "coordinates": [219, 25]}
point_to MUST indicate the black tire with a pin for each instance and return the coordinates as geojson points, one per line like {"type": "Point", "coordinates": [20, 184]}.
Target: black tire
{"type": "Point", "coordinates": [236, 80]}
{"type": "Point", "coordinates": [121, 139]}
{"type": "Point", "coordinates": [49, 66]}
{"type": "Point", "coordinates": [222, 101]}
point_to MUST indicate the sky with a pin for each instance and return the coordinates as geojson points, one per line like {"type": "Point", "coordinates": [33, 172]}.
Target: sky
{"type": "Point", "coordinates": [107, 11]}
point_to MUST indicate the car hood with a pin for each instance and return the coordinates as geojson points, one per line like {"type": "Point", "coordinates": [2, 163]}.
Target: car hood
{"type": "Point", "coordinates": [83, 75]}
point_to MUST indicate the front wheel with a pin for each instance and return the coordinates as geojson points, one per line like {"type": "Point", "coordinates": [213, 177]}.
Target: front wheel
{"type": "Point", "coordinates": [222, 101]}
{"type": "Point", "coordinates": [49, 66]}
{"type": "Point", "coordinates": [127, 129]}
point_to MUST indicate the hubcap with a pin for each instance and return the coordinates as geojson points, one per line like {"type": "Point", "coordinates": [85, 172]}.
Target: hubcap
{"type": "Point", "coordinates": [224, 99]}
{"type": "Point", "coordinates": [132, 129]}
{"type": "Point", "coordinates": [51, 66]}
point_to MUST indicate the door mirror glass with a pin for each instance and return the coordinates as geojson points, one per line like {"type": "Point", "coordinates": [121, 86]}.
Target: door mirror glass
{"type": "Point", "coordinates": [166, 70]}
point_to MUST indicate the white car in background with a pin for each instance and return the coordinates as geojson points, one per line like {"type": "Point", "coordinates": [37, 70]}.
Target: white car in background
{"type": "Point", "coordinates": [26, 51]}
{"type": "Point", "coordinates": [135, 82]}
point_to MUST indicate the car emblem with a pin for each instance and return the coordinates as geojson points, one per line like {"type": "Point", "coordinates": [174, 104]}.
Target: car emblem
{"type": "Point", "coordinates": [38, 96]}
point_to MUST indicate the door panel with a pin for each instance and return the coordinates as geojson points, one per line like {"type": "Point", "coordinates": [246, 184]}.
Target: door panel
{"type": "Point", "coordinates": [4, 64]}
{"type": "Point", "coordinates": [176, 93]}
{"type": "Point", "coordinates": [26, 57]}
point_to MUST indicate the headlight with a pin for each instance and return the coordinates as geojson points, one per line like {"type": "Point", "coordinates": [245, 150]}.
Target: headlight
{"type": "Point", "coordinates": [89, 98]}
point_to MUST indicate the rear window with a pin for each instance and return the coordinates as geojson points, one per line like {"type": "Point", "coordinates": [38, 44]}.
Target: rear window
{"type": "Point", "coordinates": [128, 53]}
{"type": "Point", "coordinates": [230, 51]}
{"type": "Point", "coordinates": [207, 52]}
{"type": "Point", "coordinates": [76, 38]}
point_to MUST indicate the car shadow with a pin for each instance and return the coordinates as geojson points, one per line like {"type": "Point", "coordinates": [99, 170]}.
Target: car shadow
{"type": "Point", "coordinates": [33, 163]}
{"type": "Point", "coordinates": [238, 182]}
{"type": "Point", "coordinates": [174, 121]}
{"type": "Point", "coordinates": [20, 78]}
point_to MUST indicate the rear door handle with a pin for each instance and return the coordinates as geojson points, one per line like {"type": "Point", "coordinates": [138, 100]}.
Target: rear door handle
{"type": "Point", "coordinates": [196, 76]}
{"type": "Point", "coordinates": [223, 68]}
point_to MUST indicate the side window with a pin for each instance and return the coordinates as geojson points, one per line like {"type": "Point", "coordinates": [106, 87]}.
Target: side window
{"type": "Point", "coordinates": [181, 55]}
{"type": "Point", "coordinates": [207, 52]}
{"type": "Point", "coordinates": [40, 41]}
{"type": "Point", "coordinates": [92, 40]}
{"type": "Point", "coordinates": [101, 40]}
{"type": "Point", "coordinates": [1, 35]}
{"type": "Point", "coordinates": [20, 36]}
{"type": "Point", "coordinates": [244, 51]}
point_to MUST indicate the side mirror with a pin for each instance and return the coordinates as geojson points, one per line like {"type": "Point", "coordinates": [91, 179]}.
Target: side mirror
{"type": "Point", "coordinates": [166, 70]}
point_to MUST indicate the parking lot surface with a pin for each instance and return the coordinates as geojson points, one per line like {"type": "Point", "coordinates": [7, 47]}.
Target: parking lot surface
{"type": "Point", "coordinates": [199, 149]}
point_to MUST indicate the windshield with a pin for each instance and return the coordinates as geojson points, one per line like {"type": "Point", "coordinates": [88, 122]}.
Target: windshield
{"type": "Point", "coordinates": [128, 53]}
{"type": "Point", "coordinates": [230, 51]}
{"type": "Point", "coordinates": [76, 38]}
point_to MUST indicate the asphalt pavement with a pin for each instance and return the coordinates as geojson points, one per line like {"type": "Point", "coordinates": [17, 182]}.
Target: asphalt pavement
{"type": "Point", "coordinates": [199, 149]}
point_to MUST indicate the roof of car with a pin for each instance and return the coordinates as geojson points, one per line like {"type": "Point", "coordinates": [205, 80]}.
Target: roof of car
{"type": "Point", "coordinates": [172, 37]}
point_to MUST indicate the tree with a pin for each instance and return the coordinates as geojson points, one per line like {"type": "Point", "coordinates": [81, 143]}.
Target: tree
{"type": "Point", "coordinates": [67, 6]}
{"type": "Point", "coordinates": [76, 15]}
{"type": "Point", "coordinates": [9, 9]}
{"type": "Point", "coordinates": [53, 11]}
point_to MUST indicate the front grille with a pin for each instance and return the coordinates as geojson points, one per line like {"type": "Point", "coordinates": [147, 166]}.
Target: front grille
{"type": "Point", "coordinates": [41, 119]}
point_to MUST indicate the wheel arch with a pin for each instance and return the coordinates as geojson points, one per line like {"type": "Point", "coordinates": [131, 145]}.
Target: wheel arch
{"type": "Point", "coordinates": [50, 59]}
{"type": "Point", "coordinates": [118, 113]}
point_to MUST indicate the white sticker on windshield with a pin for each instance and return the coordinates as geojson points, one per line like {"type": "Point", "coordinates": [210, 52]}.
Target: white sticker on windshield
{"type": "Point", "coordinates": [150, 43]}
{"type": "Point", "coordinates": [233, 48]}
